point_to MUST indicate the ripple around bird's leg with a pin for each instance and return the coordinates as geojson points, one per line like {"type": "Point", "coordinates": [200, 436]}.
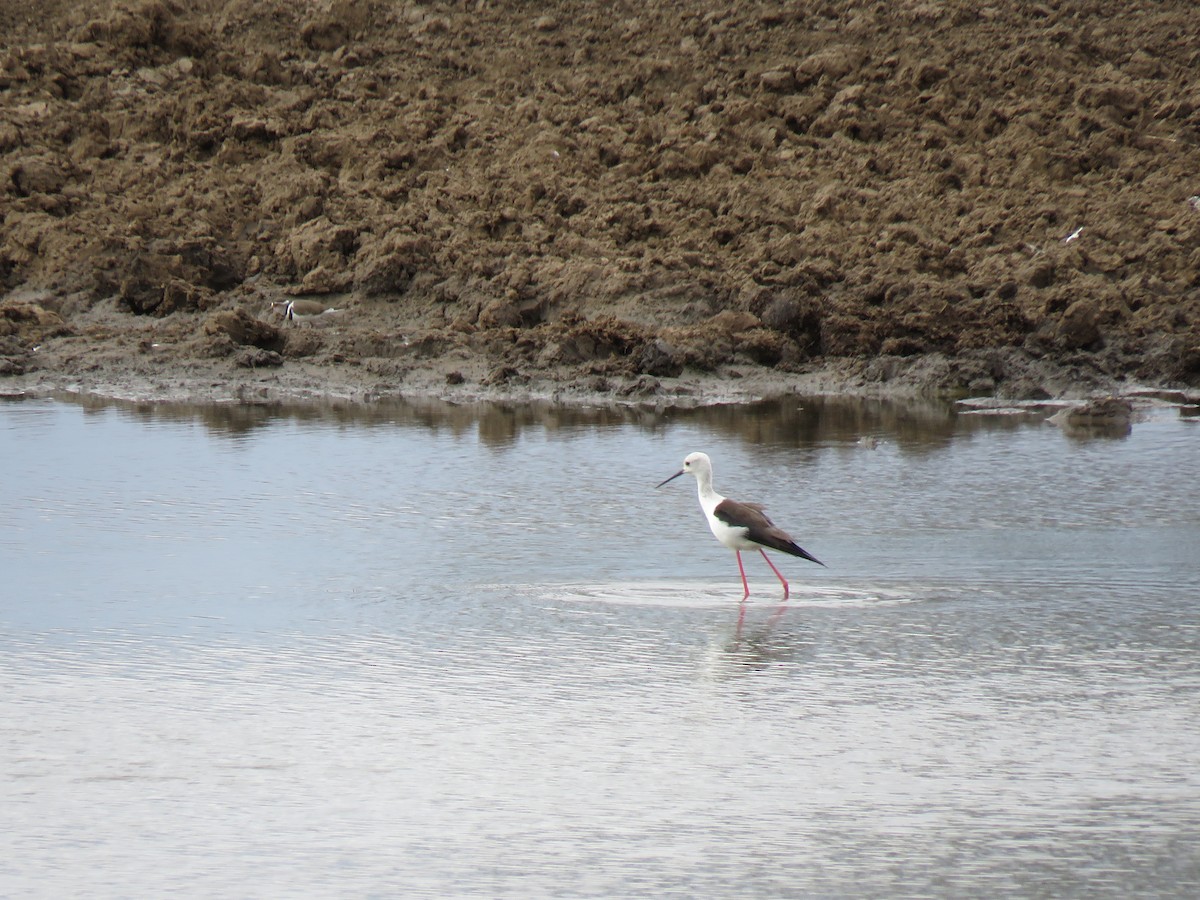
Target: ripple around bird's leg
{"type": "Point", "coordinates": [698, 594]}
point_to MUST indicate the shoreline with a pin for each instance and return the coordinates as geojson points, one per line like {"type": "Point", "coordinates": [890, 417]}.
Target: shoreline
{"type": "Point", "coordinates": [217, 382]}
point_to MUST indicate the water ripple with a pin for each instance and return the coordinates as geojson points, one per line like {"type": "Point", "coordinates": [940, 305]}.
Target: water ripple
{"type": "Point", "coordinates": [702, 595]}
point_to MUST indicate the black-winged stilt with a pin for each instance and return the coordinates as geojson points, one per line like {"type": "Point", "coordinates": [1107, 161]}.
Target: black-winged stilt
{"type": "Point", "coordinates": [739, 526]}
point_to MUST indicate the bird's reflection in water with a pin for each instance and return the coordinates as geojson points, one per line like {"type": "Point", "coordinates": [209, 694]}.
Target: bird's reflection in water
{"type": "Point", "coordinates": [755, 646]}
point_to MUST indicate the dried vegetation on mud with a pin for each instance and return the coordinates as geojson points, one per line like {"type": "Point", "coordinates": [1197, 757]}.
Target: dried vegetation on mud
{"type": "Point", "coordinates": [651, 199]}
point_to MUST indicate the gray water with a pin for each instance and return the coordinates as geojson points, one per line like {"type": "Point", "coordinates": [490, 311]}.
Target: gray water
{"type": "Point", "coordinates": [450, 651]}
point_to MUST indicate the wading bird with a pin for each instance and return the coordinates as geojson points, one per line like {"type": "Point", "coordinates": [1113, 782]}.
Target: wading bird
{"type": "Point", "coordinates": [739, 526]}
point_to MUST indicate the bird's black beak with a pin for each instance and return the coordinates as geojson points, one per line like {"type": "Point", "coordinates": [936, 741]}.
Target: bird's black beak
{"type": "Point", "coordinates": [672, 478]}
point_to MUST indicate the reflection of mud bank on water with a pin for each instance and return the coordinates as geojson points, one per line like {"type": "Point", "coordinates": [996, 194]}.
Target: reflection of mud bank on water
{"type": "Point", "coordinates": [859, 424]}
{"type": "Point", "coordinates": [651, 207]}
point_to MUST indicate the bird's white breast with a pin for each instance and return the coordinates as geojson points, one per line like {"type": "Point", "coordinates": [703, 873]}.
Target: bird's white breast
{"type": "Point", "coordinates": [733, 537]}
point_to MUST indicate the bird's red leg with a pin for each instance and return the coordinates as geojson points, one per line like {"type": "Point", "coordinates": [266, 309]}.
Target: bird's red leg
{"type": "Point", "coordinates": [745, 584]}
{"type": "Point", "coordinates": [782, 580]}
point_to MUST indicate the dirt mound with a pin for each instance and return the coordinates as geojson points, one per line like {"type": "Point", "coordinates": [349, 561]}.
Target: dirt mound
{"type": "Point", "coordinates": [584, 191]}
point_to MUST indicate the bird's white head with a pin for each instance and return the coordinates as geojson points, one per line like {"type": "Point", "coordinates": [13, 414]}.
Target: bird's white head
{"type": "Point", "coordinates": [697, 464]}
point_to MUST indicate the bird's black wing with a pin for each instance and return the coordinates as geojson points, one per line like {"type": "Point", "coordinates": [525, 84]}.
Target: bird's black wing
{"type": "Point", "coordinates": [759, 528]}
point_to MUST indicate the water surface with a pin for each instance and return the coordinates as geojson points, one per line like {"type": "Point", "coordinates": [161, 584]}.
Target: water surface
{"type": "Point", "coordinates": [446, 651]}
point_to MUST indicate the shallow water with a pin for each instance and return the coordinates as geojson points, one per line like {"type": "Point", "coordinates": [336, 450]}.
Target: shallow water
{"type": "Point", "coordinates": [426, 650]}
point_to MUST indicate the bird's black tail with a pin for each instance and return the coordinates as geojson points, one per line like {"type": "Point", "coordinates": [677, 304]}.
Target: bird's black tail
{"type": "Point", "coordinates": [796, 550]}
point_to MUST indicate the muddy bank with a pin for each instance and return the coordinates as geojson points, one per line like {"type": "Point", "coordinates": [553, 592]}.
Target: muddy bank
{"type": "Point", "coordinates": [683, 201]}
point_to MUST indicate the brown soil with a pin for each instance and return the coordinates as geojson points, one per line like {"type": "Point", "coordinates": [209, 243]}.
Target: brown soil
{"type": "Point", "coordinates": [650, 199]}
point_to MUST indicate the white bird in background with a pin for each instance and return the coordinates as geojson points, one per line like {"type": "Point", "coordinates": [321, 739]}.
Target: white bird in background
{"type": "Point", "coordinates": [291, 310]}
